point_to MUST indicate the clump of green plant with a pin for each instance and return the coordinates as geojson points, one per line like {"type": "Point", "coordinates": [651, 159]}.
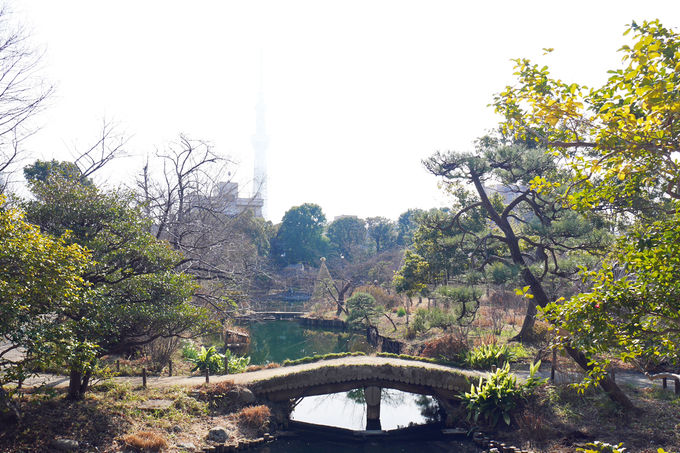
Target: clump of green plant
{"type": "Point", "coordinates": [189, 352]}
{"type": "Point", "coordinates": [487, 356]}
{"type": "Point", "coordinates": [401, 312]}
{"type": "Point", "coordinates": [602, 447]}
{"type": "Point", "coordinates": [207, 359]}
{"type": "Point", "coordinates": [425, 319]}
{"type": "Point", "coordinates": [234, 363]}
{"type": "Point", "coordinates": [213, 361]}
{"type": "Point", "coordinates": [497, 396]}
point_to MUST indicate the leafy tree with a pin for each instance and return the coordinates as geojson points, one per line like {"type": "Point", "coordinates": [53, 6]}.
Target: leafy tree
{"type": "Point", "coordinates": [530, 230]}
{"type": "Point", "coordinates": [524, 227]}
{"type": "Point", "coordinates": [407, 224]}
{"type": "Point", "coordinates": [42, 170]}
{"type": "Point", "coordinates": [299, 238]}
{"type": "Point", "coordinates": [347, 233]}
{"type": "Point", "coordinates": [41, 281]}
{"type": "Point", "coordinates": [135, 293]}
{"type": "Point", "coordinates": [382, 231]}
{"type": "Point", "coordinates": [621, 138]}
{"type": "Point", "coordinates": [413, 277]}
{"type": "Point", "coordinates": [633, 307]}
{"type": "Point", "coordinates": [363, 309]}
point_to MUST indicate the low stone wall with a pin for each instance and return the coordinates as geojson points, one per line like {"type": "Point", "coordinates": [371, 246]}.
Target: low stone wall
{"type": "Point", "coordinates": [383, 344]}
{"type": "Point", "coordinates": [325, 323]}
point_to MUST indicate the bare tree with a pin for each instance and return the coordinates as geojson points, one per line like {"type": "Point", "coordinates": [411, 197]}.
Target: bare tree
{"type": "Point", "coordinates": [22, 93]}
{"type": "Point", "coordinates": [109, 145]}
{"type": "Point", "coordinates": [191, 206]}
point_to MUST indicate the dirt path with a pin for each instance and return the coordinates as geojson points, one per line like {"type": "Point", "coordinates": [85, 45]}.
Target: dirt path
{"type": "Point", "coordinates": [627, 378]}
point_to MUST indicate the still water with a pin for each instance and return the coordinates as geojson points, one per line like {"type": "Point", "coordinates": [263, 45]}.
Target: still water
{"type": "Point", "coordinates": [348, 409]}
{"type": "Point", "coordinates": [276, 341]}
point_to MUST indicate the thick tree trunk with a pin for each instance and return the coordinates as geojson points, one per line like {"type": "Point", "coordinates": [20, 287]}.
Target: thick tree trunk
{"type": "Point", "coordinates": [607, 383]}
{"type": "Point", "coordinates": [528, 325]}
{"type": "Point", "coordinates": [78, 384]}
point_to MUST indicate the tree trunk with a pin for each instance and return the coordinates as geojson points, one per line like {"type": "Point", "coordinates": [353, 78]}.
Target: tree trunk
{"type": "Point", "coordinates": [6, 400]}
{"type": "Point", "coordinates": [607, 383]}
{"type": "Point", "coordinates": [528, 323]}
{"type": "Point", "coordinates": [78, 384]}
{"type": "Point", "coordinates": [540, 298]}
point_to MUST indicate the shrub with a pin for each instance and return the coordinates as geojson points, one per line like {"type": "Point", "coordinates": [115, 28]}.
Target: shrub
{"type": "Point", "coordinates": [486, 356]}
{"type": "Point", "coordinates": [448, 347]}
{"type": "Point", "coordinates": [160, 351]}
{"type": "Point", "coordinates": [382, 297]}
{"type": "Point", "coordinates": [497, 396]}
{"type": "Point", "coordinates": [426, 319]}
{"type": "Point", "coordinates": [401, 312]}
{"type": "Point", "coordinates": [255, 417]}
{"type": "Point", "coordinates": [145, 441]}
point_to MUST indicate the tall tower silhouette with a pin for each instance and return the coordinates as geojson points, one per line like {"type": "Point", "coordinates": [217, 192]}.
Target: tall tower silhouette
{"type": "Point", "coordinates": [260, 143]}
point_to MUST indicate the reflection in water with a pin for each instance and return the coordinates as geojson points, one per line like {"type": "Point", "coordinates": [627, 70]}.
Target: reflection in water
{"type": "Point", "coordinates": [348, 409]}
{"type": "Point", "coordinates": [276, 341]}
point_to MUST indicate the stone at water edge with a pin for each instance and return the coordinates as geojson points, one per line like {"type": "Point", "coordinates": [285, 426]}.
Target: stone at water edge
{"type": "Point", "coordinates": [62, 444]}
{"type": "Point", "coordinates": [218, 434]}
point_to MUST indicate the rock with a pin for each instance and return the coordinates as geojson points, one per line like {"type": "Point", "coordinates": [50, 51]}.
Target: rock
{"type": "Point", "coordinates": [241, 395]}
{"type": "Point", "coordinates": [186, 446]}
{"type": "Point", "coordinates": [152, 405]}
{"type": "Point", "coordinates": [176, 429]}
{"type": "Point", "coordinates": [218, 434]}
{"type": "Point", "coordinates": [62, 444]}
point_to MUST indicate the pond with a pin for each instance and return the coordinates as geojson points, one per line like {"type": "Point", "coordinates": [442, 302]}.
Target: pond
{"type": "Point", "coordinates": [276, 341]}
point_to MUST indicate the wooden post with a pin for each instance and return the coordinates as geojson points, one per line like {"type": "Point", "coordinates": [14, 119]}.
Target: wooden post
{"type": "Point", "coordinates": [664, 383]}
{"type": "Point", "coordinates": [169, 367]}
{"type": "Point", "coordinates": [677, 386]}
{"type": "Point", "coordinates": [144, 377]}
{"type": "Point", "coordinates": [118, 365]}
{"type": "Point", "coordinates": [226, 364]}
{"type": "Point", "coordinates": [207, 376]}
{"type": "Point", "coordinates": [553, 366]}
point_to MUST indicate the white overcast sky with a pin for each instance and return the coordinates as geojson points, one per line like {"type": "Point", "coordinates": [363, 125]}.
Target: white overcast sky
{"type": "Point", "coordinates": [357, 92]}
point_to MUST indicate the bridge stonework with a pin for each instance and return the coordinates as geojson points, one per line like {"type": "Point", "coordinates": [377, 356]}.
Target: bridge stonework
{"type": "Point", "coordinates": [340, 375]}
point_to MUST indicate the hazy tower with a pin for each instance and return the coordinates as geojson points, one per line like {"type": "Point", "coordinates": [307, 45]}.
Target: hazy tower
{"type": "Point", "coordinates": [260, 143]}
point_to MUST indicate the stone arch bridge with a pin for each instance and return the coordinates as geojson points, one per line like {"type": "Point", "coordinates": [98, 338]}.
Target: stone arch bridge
{"type": "Point", "coordinates": [370, 373]}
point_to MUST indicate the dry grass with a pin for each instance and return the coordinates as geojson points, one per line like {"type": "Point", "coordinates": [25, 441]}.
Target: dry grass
{"type": "Point", "coordinates": [216, 389]}
{"type": "Point", "coordinates": [145, 441]}
{"type": "Point", "coordinates": [271, 365]}
{"type": "Point", "coordinates": [448, 347]}
{"type": "Point", "coordinates": [255, 417]}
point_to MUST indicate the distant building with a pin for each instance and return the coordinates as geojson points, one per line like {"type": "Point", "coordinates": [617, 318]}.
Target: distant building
{"type": "Point", "coordinates": [233, 204]}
